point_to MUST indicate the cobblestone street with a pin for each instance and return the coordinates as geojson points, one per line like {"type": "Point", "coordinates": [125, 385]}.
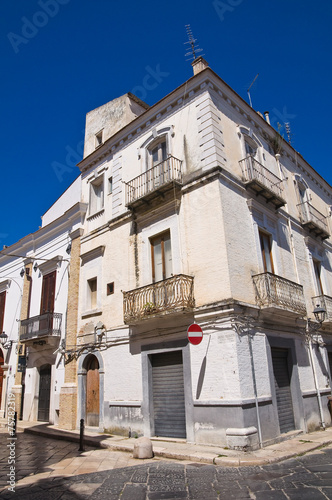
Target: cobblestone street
{"type": "Point", "coordinates": [47, 468]}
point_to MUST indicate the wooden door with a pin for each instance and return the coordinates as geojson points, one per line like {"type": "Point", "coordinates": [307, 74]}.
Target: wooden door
{"type": "Point", "coordinates": [44, 393]}
{"type": "Point", "coordinates": [92, 392]}
{"type": "Point", "coordinates": [1, 374]}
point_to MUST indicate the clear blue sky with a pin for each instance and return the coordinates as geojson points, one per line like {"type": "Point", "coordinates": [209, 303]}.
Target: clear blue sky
{"type": "Point", "coordinates": [63, 58]}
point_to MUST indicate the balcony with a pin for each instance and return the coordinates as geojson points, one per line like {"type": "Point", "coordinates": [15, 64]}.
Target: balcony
{"type": "Point", "coordinates": [326, 302]}
{"type": "Point", "coordinates": [313, 220]}
{"type": "Point", "coordinates": [172, 295]}
{"type": "Point", "coordinates": [45, 328]}
{"type": "Point", "coordinates": [273, 292]}
{"type": "Point", "coordinates": [262, 181]}
{"type": "Point", "coordinates": [154, 182]}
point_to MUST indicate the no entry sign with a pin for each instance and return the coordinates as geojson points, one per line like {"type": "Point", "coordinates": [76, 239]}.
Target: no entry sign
{"type": "Point", "coordinates": [195, 334]}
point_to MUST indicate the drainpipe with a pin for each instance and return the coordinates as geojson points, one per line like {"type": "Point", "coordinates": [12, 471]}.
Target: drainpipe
{"type": "Point", "coordinates": [316, 385]}
{"type": "Point", "coordinates": [255, 391]}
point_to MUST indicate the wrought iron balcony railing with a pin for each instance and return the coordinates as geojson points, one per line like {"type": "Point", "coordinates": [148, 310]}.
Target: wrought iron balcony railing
{"type": "Point", "coordinates": [262, 181]}
{"type": "Point", "coordinates": [44, 325]}
{"type": "Point", "coordinates": [273, 291]}
{"type": "Point", "coordinates": [167, 296]}
{"type": "Point", "coordinates": [323, 301]}
{"type": "Point", "coordinates": [153, 180]}
{"type": "Point", "coordinates": [313, 220]}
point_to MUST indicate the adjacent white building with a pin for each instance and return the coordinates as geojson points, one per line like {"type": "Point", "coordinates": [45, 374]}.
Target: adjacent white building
{"type": "Point", "coordinates": [34, 276]}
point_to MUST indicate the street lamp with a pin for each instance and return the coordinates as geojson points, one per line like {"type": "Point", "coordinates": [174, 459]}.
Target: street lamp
{"type": "Point", "coordinates": [319, 313]}
{"type": "Point", "coordinates": [312, 328]}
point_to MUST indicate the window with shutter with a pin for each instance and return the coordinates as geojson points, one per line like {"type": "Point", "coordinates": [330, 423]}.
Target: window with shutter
{"type": "Point", "coordinates": [48, 293]}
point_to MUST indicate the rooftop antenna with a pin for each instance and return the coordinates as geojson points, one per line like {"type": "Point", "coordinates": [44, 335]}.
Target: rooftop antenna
{"type": "Point", "coordinates": [194, 50]}
{"type": "Point", "coordinates": [288, 132]}
{"type": "Point", "coordinates": [250, 88]}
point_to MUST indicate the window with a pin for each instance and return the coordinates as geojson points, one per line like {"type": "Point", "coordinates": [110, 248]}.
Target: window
{"type": "Point", "coordinates": [110, 288]}
{"type": "Point", "coordinates": [157, 152]}
{"type": "Point", "coordinates": [99, 139]}
{"type": "Point", "coordinates": [110, 185]}
{"type": "Point", "coordinates": [251, 148]}
{"type": "Point", "coordinates": [92, 293]}
{"type": "Point", "coordinates": [265, 241]}
{"type": "Point", "coordinates": [97, 195]}
{"type": "Point", "coordinates": [317, 270]}
{"type": "Point", "coordinates": [2, 309]}
{"type": "Point", "coordinates": [48, 293]}
{"type": "Point", "coordinates": [161, 257]}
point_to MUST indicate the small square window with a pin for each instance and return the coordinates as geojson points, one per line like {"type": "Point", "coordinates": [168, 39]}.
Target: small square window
{"type": "Point", "coordinates": [99, 138]}
{"type": "Point", "coordinates": [110, 288]}
{"type": "Point", "coordinates": [110, 185]}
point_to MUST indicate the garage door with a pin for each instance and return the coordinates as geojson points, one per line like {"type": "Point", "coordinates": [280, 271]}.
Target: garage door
{"type": "Point", "coordinates": [168, 395]}
{"type": "Point", "coordinates": [283, 390]}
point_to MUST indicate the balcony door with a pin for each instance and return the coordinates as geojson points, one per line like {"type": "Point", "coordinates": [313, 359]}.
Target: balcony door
{"type": "Point", "coordinates": [48, 293]}
{"type": "Point", "coordinates": [157, 154]}
{"type": "Point", "coordinates": [317, 269]}
{"type": "Point", "coordinates": [47, 302]}
{"type": "Point", "coordinates": [265, 241]}
{"type": "Point", "coordinates": [161, 256]}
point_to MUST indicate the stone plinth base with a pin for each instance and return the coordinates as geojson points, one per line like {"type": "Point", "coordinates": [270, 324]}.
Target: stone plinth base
{"type": "Point", "coordinates": [68, 406]}
{"type": "Point", "coordinates": [243, 439]}
{"type": "Point", "coordinates": [17, 390]}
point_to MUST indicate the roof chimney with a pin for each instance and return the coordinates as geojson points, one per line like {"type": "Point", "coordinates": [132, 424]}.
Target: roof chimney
{"type": "Point", "coordinates": [199, 64]}
{"type": "Point", "coordinates": [267, 117]}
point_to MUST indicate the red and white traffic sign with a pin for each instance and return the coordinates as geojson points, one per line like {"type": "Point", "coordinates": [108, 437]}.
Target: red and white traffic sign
{"type": "Point", "coordinates": [195, 334]}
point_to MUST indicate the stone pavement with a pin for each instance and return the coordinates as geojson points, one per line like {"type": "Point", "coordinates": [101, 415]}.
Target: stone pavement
{"type": "Point", "coordinates": [296, 444]}
{"type": "Point", "coordinates": [54, 469]}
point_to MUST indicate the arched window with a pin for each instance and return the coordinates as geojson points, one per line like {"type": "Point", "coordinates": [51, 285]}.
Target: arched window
{"type": "Point", "coordinates": [251, 145]}
{"type": "Point", "coordinates": [157, 152]}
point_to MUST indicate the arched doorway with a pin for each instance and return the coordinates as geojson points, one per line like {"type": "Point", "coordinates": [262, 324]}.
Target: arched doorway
{"type": "Point", "coordinates": [1, 373]}
{"type": "Point", "coordinates": [92, 391]}
{"type": "Point", "coordinates": [44, 393]}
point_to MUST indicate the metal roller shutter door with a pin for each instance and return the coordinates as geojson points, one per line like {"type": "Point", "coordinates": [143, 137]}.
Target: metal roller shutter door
{"type": "Point", "coordinates": [283, 391]}
{"type": "Point", "coordinates": [168, 395]}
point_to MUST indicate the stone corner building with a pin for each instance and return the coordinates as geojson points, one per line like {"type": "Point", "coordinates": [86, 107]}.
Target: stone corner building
{"type": "Point", "coordinates": [197, 211]}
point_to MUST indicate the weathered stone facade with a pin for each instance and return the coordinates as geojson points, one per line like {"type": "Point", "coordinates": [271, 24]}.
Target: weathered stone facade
{"type": "Point", "coordinates": [197, 211]}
